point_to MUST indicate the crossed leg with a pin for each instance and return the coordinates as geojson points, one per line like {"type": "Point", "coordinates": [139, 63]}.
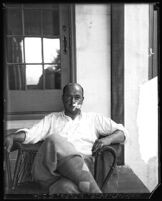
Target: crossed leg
{"type": "Point", "coordinates": [67, 186]}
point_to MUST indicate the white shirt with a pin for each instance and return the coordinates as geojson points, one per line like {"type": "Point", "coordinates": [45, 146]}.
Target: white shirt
{"type": "Point", "coordinates": [81, 132]}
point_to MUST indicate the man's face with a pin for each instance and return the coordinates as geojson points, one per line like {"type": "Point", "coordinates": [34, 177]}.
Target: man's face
{"type": "Point", "coordinates": [73, 99]}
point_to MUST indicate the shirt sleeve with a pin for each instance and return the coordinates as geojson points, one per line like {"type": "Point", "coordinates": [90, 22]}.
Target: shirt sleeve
{"type": "Point", "coordinates": [38, 131]}
{"type": "Point", "coordinates": [115, 126]}
{"type": "Point", "coordinates": [106, 126]}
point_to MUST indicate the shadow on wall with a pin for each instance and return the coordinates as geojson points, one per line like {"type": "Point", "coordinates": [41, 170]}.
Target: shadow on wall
{"type": "Point", "coordinates": [142, 147]}
{"type": "Point", "coordinates": [147, 122]}
{"type": "Point", "coordinates": [152, 169]}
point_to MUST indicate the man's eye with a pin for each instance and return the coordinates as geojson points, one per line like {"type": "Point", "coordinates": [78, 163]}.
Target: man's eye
{"type": "Point", "coordinates": [70, 97]}
{"type": "Point", "coordinates": [77, 97]}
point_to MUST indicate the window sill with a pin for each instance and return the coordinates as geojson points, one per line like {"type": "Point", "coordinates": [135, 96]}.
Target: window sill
{"type": "Point", "coordinates": [25, 116]}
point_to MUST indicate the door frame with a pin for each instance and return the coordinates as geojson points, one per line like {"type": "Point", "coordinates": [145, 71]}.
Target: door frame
{"type": "Point", "coordinates": [117, 68]}
{"type": "Point", "coordinates": [72, 72]}
{"type": "Point", "coordinates": [154, 46]}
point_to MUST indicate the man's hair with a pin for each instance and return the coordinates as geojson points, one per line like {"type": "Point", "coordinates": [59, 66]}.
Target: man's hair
{"type": "Point", "coordinates": [72, 84]}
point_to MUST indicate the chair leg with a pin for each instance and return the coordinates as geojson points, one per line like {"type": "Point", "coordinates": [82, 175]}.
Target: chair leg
{"type": "Point", "coordinates": [7, 170]}
{"type": "Point", "coordinates": [25, 162]}
{"type": "Point", "coordinates": [17, 169]}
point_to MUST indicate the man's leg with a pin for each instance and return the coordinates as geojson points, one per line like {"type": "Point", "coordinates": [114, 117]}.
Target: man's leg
{"type": "Point", "coordinates": [76, 169]}
{"type": "Point", "coordinates": [63, 185]}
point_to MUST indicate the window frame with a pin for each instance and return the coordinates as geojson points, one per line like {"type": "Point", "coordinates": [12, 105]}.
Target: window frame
{"type": "Point", "coordinates": [72, 72]}
{"type": "Point", "coordinates": [24, 35]}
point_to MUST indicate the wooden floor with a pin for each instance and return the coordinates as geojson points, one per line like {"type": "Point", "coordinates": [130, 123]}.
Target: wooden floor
{"type": "Point", "coordinates": [129, 182]}
{"type": "Point", "coordinates": [130, 187]}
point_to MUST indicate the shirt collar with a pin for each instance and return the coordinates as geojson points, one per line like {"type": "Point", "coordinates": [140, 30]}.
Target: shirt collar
{"type": "Point", "coordinates": [69, 118]}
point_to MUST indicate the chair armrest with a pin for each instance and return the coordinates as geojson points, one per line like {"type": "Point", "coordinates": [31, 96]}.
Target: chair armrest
{"type": "Point", "coordinates": [28, 147]}
{"type": "Point", "coordinates": [116, 147]}
{"type": "Point", "coordinates": [23, 147]}
{"type": "Point", "coordinates": [114, 150]}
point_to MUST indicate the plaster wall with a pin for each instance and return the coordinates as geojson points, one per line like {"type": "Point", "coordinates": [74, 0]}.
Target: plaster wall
{"type": "Point", "coordinates": [93, 55]}
{"type": "Point", "coordinates": [136, 75]}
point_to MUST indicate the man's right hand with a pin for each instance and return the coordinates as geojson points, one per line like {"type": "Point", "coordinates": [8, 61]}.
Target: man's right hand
{"type": "Point", "coordinates": [14, 137]}
{"type": "Point", "coordinates": [9, 142]}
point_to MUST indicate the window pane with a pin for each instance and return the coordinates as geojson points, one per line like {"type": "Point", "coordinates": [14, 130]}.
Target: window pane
{"type": "Point", "coordinates": [15, 50]}
{"type": "Point", "coordinates": [50, 22]}
{"type": "Point", "coordinates": [32, 21]}
{"type": "Point", "coordinates": [14, 21]}
{"type": "Point", "coordinates": [51, 50]}
{"type": "Point", "coordinates": [33, 50]}
{"type": "Point", "coordinates": [44, 6]}
{"type": "Point", "coordinates": [16, 77]}
{"type": "Point", "coordinates": [52, 76]}
{"type": "Point", "coordinates": [33, 76]}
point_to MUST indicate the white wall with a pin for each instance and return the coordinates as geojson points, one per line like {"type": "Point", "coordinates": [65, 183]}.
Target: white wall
{"type": "Point", "coordinates": [93, 55]}
{"type": "Point", "coordinates": [136, 74]}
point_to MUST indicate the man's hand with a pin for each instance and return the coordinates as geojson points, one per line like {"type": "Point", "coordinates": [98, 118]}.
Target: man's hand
{"type": "Point", "coordinates": [99, 143]}
{"type": "Point", "coordinates": [116, 137]}
{"type": "Point", "coordinates": [14, 137]}
{"type": "Point", "coordinates": [9, 142]}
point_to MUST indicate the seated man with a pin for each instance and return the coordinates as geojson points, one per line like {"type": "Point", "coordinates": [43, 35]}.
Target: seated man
{"type": "Point", "coordinates": [69, 136]}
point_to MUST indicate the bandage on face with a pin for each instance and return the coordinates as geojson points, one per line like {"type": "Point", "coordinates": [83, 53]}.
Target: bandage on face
{"type": "Point", "coordinates": [76, 106]}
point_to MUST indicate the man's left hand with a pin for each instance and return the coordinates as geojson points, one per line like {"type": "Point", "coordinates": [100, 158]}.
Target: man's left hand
{"type": "Point", "coordinates": [99, 143]}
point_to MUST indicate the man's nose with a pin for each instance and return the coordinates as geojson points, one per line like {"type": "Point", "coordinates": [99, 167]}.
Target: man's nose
{"type": "Point", "coordinates": [73, 99]}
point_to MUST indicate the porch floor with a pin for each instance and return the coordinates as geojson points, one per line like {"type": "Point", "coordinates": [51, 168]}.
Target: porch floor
{"type": "Point", "coordinates": [129, 182]}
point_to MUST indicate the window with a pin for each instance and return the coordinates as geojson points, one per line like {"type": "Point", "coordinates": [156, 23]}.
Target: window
{"type": "Point", "coordinates": [33, 48]}
{"type": "Point", "coordinates": [37, 56]}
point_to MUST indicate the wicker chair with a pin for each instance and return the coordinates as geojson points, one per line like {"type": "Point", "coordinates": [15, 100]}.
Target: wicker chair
{"type": "Point", "coordinates": [22, 181]}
